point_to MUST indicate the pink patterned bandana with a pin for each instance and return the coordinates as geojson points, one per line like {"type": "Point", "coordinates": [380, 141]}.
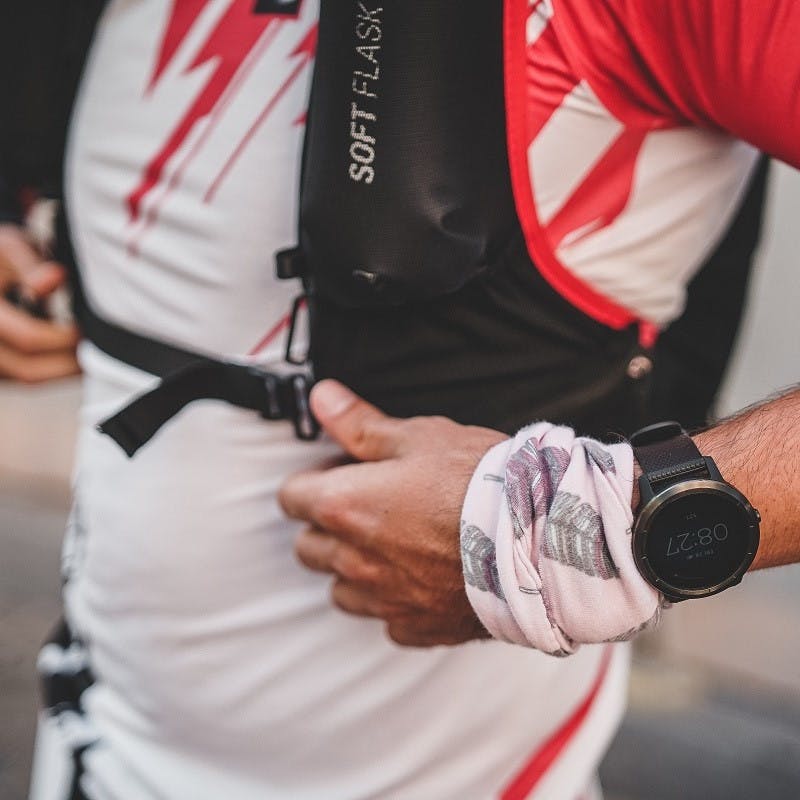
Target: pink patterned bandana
{"type": "Point", "coordinates": [546, 542]}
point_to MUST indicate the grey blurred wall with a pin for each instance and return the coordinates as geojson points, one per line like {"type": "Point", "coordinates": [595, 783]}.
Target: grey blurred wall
{"type": "Point", "coordinates": [767, 357]}
{"type": "Point", "coordinates": [755, 629]}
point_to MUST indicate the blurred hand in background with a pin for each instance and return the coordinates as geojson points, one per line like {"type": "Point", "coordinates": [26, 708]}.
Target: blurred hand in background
{"type": "Point", "coordinates": [33, 347]}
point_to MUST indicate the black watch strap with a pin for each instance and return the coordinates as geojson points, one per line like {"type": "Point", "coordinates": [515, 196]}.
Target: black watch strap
{"type": "Point", "coordinates": [667, 455]}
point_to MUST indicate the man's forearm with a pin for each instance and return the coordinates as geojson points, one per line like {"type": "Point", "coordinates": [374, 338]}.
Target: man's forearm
{"type": "Point", "coordinates": [575, 520]}
{"type": "Point", "coordinates": [546, 522]}
{"type": "Point", "coordinates": [758, 451]}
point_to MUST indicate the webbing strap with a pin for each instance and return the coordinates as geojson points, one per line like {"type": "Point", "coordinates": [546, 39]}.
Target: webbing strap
{"type": "Point", "coordinates": [275, 397]}
{"type": "Point", "coordinates": [188, 376]}
{"type": "Point", "coordinates": [667, 454]}
{"type": "Point", "coordinates": [135, 349]}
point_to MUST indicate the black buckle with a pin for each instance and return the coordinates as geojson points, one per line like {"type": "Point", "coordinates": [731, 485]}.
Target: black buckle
{"type": "Point", "coordinates": [306, 426]}
{"type": "Point", "coordinates": [286, 397]}
{"type": "Point", "coordinates": [272, 408]}
{"type": "Point", "coordinates": [297, 306]}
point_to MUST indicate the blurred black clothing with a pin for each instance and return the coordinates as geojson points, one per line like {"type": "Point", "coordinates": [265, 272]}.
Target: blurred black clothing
{"type": "Point", "coordinates": [43, 46]}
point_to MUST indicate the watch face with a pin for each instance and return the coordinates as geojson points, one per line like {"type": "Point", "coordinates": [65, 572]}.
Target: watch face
{"type": "Point", "coordinates": [699, 539]}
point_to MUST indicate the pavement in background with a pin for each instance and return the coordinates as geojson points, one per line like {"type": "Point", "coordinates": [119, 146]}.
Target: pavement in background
{"type": "Point", "coordinates": [693, 734]}
{"type": "Point", "coordinates": [32, 515]}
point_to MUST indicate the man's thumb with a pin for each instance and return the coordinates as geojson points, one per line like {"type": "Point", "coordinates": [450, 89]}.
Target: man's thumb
{"type": "Point", "coordinates": [361, 429]}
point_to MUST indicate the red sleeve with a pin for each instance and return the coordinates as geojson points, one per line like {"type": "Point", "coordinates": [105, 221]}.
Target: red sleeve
{"type": "Point", "coordinates": [733, 65]}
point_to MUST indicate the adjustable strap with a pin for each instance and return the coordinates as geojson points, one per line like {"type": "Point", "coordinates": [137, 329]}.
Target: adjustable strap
{"type": "Point", "coordinates": [188, 376]}
{"type": "Point", "coordinates": [667, 454]}
{"type": "Point", "coordinates": [135, 349]}
{"type": "Point", "coordinates": [275, 397]}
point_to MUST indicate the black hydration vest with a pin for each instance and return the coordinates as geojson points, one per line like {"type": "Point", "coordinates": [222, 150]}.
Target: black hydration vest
{"type": "Point", "coordinates": [424, 298]}
{"type": "Point", "coordinates": [421, 293]}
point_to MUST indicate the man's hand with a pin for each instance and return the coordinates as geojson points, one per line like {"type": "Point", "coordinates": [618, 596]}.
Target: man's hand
{"type": "Point", "coordinates": [31, 349]}
{"type": "Point", "coordinates": [388, 528]}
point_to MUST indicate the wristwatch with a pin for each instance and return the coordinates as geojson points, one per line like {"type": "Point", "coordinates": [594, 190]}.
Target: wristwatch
{"type": "Point", "coordinates": [695, 534]}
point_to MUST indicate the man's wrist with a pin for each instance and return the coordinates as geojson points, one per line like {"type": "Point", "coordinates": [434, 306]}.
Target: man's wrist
{"type": "Point", "coordinates": [637, 473]}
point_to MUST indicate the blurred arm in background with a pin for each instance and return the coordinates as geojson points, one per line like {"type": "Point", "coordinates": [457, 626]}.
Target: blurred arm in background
{"type": "Point", "coordinates": [42, 45]}
{"type": "Point", "coordinates": [33, 348]}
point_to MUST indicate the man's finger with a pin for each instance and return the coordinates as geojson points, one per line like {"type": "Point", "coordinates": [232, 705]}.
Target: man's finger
{"type": "Point", "coordinates": [357, 600]}
{"type": "Point", "coordinates": [44, 278]}
{"type": "Point", "coordinates": [345, 502]}
{"type": "Point", "coordinates": [361, 429]}
{"type": "Point", "coordinates": [326, 499]}
{"type": "Point", "coordinates": [316, 550]}
{"type": "Point", "coordinates": [17, 255]}
{"type": "Point", "coordinates": [323, 552]}
{"type": "Point", "coordinates": [28, 335]}
{"type": "Point", "coordinates": [407, 633]}
{"type": "Point", "coordinates": [299, 495]}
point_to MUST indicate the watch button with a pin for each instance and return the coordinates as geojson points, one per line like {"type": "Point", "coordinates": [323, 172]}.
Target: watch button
{"type": "Point", "coordinates": [758, 516]}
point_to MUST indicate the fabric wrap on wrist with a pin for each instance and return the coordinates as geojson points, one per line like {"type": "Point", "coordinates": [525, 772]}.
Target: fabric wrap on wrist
{"type": "Point", "coordinates": [546, 542]}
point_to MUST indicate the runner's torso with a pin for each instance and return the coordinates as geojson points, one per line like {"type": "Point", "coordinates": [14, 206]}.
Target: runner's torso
{"type": "Point", "coordinates": [210, 645]}
{"type": "Point", "coordinates": [221, 669]}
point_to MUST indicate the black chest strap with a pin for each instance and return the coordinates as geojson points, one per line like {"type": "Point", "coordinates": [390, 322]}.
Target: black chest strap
{"type": "Point", "coordinates": [188, 376]}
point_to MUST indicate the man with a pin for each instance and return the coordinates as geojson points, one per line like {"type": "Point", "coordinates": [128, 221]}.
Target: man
{"type": "Point", "coordinates": [661, 72]}
{"type": "Point", "coordinates": [198, 660]}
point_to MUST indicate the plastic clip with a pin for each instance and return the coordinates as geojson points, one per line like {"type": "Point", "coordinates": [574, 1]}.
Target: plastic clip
{"type": "Point", "coordinates": [272, 408]}
{"type": "Point", "coordinates": [298, 361]}
{"type": "Point", "coordinates": [305, 425]}
{"type": "Point", "coordinates": [289, 264]}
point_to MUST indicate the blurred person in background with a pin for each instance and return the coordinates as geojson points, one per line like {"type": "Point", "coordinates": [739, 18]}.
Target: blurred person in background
{"type": "Point", "coordinates": [197, 659]}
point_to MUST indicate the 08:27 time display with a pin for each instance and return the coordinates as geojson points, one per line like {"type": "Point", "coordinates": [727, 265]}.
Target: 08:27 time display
{"type": "Point", "coordinates": [684, 542]}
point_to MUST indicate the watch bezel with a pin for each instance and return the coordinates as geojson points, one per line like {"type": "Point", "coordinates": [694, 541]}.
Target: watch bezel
{"type": "Point", "coordinates": [644, 520]}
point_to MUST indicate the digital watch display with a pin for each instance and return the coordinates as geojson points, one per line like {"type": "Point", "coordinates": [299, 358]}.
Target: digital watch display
{"type": "Point", "coordinates": [695, 534]}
